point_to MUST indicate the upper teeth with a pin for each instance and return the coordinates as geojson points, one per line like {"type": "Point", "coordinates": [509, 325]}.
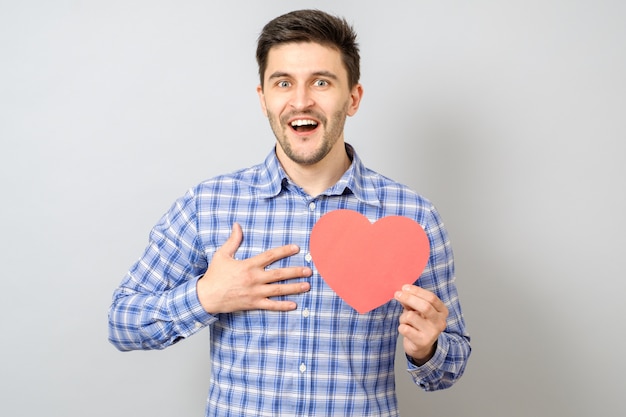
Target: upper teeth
{"type": "Point", "coordinates": [303, 122]}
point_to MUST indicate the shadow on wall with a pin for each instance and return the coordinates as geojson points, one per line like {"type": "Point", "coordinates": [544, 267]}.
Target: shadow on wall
{"type": "Point", "coordinates": [517, 366]}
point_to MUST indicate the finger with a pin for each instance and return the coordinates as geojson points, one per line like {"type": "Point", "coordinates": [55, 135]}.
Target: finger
{"type": "Point", "coordinates": [232, 243]}
{"type": "Point", "coordinates": [271, 305]}
{"type": "Point", "coordinates": [282, 274]}
{"type": "Point", "coordinates": [272, 255]}
{"type": "Point", "coordinates": [419, 329]}
{"type": "Point", "coordinates": [411, 334]}
{"type": "Point", "coordinates": [277, 290]}
{"type": "Point", "coordinates": [413, 318]}
{"type": "Point", "coordinates": [417, 298]}
{"type": "Point", "coordinates": [414, 304]}
{"type": "Point", "coordinates": [428, 322]}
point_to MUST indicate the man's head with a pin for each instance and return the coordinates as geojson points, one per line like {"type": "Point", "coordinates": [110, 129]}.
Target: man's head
{"type": "Point", "coordinates": [309, 67]}
{"type": "Point", "coordinates": [311, 26]}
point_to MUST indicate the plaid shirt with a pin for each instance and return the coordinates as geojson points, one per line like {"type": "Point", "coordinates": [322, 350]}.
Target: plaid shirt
{"type": "Point", "coordinates": [322, 358]}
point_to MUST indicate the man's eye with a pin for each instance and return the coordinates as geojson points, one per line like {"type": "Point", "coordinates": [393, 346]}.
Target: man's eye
{"type": "Point", "coordinates": [283, 84]}
{"type": "Point", "coordinates": [321, 83]}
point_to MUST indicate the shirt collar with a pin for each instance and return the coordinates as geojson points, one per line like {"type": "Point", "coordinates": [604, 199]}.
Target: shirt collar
{"type": "Point", "coordinates": [356, 180]}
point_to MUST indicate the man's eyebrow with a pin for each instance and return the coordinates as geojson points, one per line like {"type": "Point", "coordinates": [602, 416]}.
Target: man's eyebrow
{"type": "Point", "coordinates": [281, 74]}
{"type": "Point", "coordinates": [326, 74]}
{"type": "Point", "coordinates": [278, 74]}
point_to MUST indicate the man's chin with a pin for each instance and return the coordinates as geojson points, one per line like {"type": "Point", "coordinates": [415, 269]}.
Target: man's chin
{"type": "Point", "coordinates": [304, 157]}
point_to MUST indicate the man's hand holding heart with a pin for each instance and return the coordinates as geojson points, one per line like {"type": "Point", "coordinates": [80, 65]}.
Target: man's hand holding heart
{"type": "Point", "coordinates": [421, 323]}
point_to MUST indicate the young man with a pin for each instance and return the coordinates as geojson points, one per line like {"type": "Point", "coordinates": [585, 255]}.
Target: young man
{"type": "Point", "coordinates": [233, 254]}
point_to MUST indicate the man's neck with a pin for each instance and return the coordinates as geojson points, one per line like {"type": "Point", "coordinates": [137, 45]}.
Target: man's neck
{"type": "Point", "coordinates": [315, 179]}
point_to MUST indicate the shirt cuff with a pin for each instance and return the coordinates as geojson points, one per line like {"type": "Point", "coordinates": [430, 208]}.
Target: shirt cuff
{"type": "Point", "coordinates": [187, 313]}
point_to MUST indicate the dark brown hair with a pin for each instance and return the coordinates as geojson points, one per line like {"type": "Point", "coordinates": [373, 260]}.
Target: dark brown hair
{"type": "Point", "coordinates": [311, 26]}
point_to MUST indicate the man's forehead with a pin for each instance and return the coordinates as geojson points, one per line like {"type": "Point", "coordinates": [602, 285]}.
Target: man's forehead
{"type": "Point", "coordinates": [304, 57]}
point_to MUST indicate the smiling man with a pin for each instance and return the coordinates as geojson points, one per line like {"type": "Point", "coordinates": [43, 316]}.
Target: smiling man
{"type": "Point", "coordinates": [233, 254]}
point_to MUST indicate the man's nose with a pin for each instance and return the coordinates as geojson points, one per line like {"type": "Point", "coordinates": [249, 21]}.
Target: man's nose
{"type": "Point", "coordinates": [302, 98]}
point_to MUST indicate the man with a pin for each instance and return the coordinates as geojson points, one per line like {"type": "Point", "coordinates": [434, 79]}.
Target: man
{"type": "Point", "coordinates": [233, 254]}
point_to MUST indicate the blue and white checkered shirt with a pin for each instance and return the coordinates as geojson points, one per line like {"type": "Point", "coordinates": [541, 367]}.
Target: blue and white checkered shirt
{"type": "Point", "coordinates": [323, 358]}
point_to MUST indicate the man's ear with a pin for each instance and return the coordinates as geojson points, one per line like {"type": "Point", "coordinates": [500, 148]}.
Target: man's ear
{"type": "Point", "coordinates": [259, 91]}
{"type": "Point", "coordinates": [356, 94]}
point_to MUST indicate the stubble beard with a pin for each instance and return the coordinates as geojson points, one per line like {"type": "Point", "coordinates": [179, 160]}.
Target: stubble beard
{"type": "Point", "coordinates": [332, 133]}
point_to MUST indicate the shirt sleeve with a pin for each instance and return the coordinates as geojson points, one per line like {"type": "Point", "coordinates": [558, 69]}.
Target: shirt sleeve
{"type": "Point", "coordinates": [156, 304]}
{"type": "Point", "coordinates": [453, 345]}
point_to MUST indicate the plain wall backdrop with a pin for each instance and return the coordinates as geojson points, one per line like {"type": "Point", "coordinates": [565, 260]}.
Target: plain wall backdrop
{"type": "Point", "coordinates": [509, 115]}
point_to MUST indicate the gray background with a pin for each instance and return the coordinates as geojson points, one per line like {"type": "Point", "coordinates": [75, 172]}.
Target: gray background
{"type": "Point", "coordinates": [509, 115]}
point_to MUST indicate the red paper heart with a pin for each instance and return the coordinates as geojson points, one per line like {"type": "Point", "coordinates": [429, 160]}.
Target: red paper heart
{"type": "Point", "coordinates": [365, 263]}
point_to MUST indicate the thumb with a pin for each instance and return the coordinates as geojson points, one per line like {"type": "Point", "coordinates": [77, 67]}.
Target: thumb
{"type": "Point", "coordinates": [234, 240]}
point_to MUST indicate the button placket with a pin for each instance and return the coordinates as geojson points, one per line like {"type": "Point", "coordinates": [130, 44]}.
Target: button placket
{"type": "Point", "coordinates": [306, 312]}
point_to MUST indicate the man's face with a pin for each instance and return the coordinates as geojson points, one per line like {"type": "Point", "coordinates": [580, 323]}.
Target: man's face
{"type": "Point", "coordinates": [306, 98]}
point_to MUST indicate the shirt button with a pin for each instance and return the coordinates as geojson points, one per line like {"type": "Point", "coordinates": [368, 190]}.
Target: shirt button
{"type": "Point", "coordinates": [302, 368]}
{"type": "Point", "coordinates": [308, 257]}
{"type": "Point", "coordinates": [197, 325]}
{"type": "Point", "coordinates": [311, 206]}
{"type": "Point", "coordinates": [306, 313]}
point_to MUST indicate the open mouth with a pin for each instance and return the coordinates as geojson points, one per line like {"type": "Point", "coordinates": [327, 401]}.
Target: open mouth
{"type": "Point", "coordinates": [303, 125]}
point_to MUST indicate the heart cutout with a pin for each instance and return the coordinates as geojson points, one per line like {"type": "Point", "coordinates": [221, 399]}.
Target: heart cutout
{"type": "Point", "coordinates": [365, 263]}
